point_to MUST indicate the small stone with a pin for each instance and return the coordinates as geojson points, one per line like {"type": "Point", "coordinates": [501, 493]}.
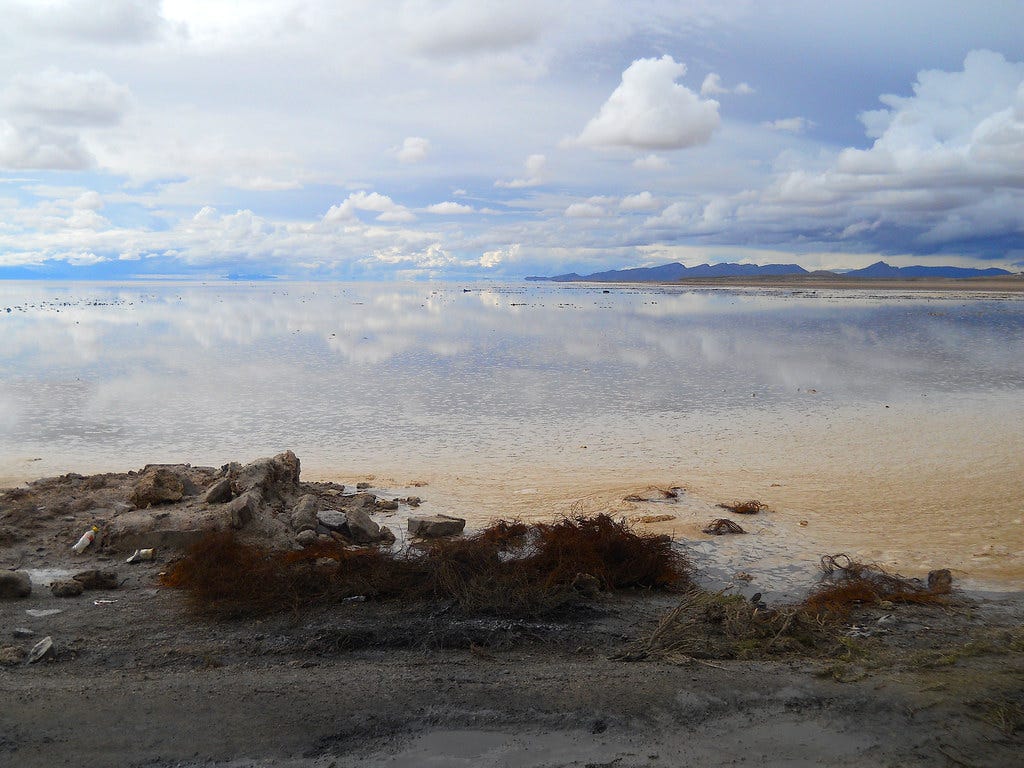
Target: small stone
{"type": "Point", "coordinates": [220, 492]}
{"type": "Point", "coordinates": [385, 504]}
{"type": "Point", "coordinates": [94, 579]}
{"type": "Point", "coordinates": [386, 535]}
{"type": "Point", "coordinates": [332, 519]}
{"type": "Point", "coordinates": [11, 655]}
{"type": "Point", "coordinates": [361, 528]}
{"type": "Point", "coordinates": [436, 526]}
{"type": "Point", "coordinates": [414, 501]}
{"type": "Point", "coordinates": [362, 486]}
{"type": "Point", "coordinates": [23, 632]}
{"type": "Point", "coordinates": [44, 649]}
{"type": "Point", "coordinates": [303, 516]}
{"type": "Point", "coordinates": [66, 588]}
{"type": "Point", "coordinates": [306, 537]}
{"type": "Point", "coordinates": [14, 584]}
{"type": "Point", "coordinates": [243, 509]}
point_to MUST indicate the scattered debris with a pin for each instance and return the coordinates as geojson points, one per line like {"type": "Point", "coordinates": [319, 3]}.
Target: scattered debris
{"type": "Point", "coordinates": [654, 495]}
{"type": "Point", "coordinates": [722, 526]}
{"type": "Point", "coordinates": [140, 555]}
{"type": "Point", "coordinates": [87, 538]}
{"type": "Point", "coordinates": [44, 649]}
{"type": "Point", "coordinates": [652, 518]}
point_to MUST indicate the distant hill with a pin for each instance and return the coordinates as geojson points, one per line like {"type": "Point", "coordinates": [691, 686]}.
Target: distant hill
{"type": "Point", "coordinates": [667, 273]}
{"type": "Point", "coordinates": [882, 270]}
{"type": "Point", "coordinates": [676, 271]}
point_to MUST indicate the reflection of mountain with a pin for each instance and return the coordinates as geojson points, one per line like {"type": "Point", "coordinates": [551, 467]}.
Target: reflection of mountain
{"type": "Point", "coordinates": [882, 270]}
{"type": "Point", "coordinates": [676, 271]}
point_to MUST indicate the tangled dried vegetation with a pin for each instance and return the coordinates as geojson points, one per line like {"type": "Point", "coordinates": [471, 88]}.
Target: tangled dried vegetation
{"type": "Point", "coordinates": [707, 625]}
{"type": "Point", "coordinates": [751, 507]}
{"type": "Point", "coordinates": [507, 569]}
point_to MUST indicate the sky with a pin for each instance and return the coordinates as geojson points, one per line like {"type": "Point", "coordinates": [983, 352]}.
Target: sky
{"type": "Point", "coordinates": [465, 139]}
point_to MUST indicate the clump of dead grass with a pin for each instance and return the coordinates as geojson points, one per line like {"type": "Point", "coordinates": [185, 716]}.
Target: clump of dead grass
{"type": "Point", "coordinates": [751, 507]}
{"type": "Point", "coordinates": [714, 625]}
{"type": "Point", "coordinates": [722, 526]}
{"type": "Point", "coordinates": [508, 569]}
{"type": "Point", "coordinates": [851, 583]}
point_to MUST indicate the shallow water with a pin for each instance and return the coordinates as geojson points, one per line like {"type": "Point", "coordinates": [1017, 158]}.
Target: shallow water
{"type": "Point", "coordinates": [889, 423]}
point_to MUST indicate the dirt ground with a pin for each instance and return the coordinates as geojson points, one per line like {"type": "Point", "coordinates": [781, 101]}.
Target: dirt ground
{"type": "Point", "coordinates": [135, 679]}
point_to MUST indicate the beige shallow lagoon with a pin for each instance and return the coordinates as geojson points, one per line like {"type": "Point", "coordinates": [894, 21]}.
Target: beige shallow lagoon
{"type": "Point", "coordinates": [890, 424]}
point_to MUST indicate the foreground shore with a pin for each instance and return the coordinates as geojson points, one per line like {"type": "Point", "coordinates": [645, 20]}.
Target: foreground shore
{"type": "Point", "coordinates": [137, 678]}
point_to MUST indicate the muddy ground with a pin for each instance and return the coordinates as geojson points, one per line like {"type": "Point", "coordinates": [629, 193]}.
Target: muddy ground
{"type": "Point", "coordinates": [136, 679]}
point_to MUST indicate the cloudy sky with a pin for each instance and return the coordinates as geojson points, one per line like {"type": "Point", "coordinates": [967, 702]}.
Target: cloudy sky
{"type": "Point", "coordinates": [468, 138]}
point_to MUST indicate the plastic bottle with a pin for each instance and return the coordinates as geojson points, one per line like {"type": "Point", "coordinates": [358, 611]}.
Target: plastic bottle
{"type": "Point", "coordinates": [86, 540]}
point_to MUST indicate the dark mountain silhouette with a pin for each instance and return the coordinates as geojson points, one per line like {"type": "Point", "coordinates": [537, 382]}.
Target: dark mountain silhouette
{"type": "Point", "coordinates": [676, 271]}
{"type": "Point", "coordinates": [881, 269]}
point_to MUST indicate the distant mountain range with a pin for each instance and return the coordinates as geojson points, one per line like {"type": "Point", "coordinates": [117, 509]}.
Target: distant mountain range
{"type": "Point", "coordinates": [676, 271]}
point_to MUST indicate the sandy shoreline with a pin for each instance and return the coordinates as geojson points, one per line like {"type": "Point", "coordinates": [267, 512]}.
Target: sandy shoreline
{"type": "Point", "coordinates": [137, 679]}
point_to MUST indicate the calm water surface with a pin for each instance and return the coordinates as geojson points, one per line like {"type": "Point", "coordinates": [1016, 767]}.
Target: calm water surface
{"type": "Point", "coordinates": [890, 423]}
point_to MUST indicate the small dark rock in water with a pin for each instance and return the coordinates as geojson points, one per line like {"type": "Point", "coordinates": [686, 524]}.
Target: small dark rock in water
{"type": "Point", "coordinates": [436, 526]}
{"type": "Point", "coordinates": [14, 584]}
{"type": "Point", "coordinates": [94, 579]}
{"type": "Point", "coordinates": [387, 505]}
{"type": "Point", "coordinates": [386, 536]}
{"type": "Point", "coordinates": [362, 486]}
{"type": "Point", "coordinates": [941, 581]}
{"type": "Point", "coordinates": [360, 527]}
{"type": "Point", "coordinates": [66, 588]}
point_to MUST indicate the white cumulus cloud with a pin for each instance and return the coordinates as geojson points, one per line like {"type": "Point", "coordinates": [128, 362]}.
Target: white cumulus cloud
{"type": "Point", "coordinates": [712, 86]}
{"type": "Point", "coordinates": [650, 110]}
{"type": "Point", "coordinates": [644, 201]}
{"type": "Point", "coordinates": [449, 208]}
{"type": "Point", "coordinates": [414, 149]}
{"type": "Point", "coordinates": [536, 165]}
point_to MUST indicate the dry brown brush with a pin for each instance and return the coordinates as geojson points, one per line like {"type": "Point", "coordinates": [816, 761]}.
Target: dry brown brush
{"type": "Point", "coordinates": [851, 583]}
{"type": "Point", "coordinates": [508, 569]}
